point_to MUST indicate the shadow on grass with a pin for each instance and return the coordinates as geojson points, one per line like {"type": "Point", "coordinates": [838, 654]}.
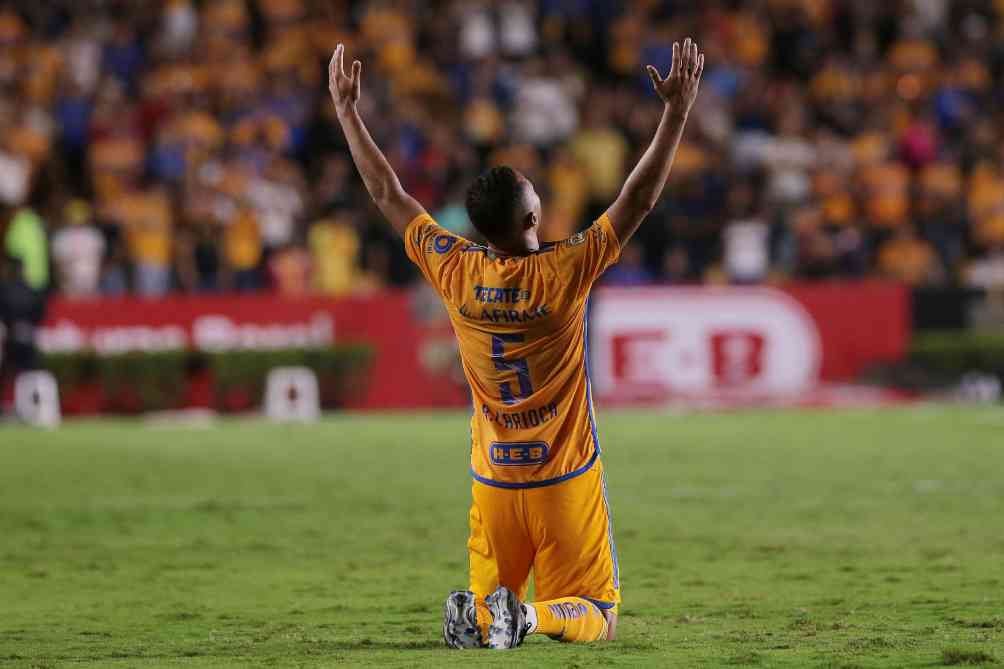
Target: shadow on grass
{"type": "Point", "coordinates": [962, 656]}
{"type": "Point", "coordinates": [388, 644]}
{"type": "Point", "coordinates": [437, 644]}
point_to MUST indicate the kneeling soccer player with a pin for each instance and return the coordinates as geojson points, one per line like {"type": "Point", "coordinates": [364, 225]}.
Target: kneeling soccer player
{"type": "Point", "coordinates": [518, 308]}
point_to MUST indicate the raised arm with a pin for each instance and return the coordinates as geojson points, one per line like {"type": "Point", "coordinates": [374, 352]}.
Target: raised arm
{"type": "Point", "coordinates": [383, 185]}
{"type": "Point", "coordinates": [644, 185]}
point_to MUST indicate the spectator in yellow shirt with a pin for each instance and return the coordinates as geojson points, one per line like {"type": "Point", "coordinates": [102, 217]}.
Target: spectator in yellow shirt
{"type": "Point", "coordinates": [908, 258]}
{"type": "Point", "coordinates": [145, 218]}
{"type": "Point", "coordinates": [242, 251]}
{"type": "Point", "coordinates": [334, 245]}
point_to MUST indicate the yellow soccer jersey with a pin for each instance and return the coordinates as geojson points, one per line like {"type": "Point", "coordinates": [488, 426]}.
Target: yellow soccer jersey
{"type": "Point", "coordinates": [521, 324]}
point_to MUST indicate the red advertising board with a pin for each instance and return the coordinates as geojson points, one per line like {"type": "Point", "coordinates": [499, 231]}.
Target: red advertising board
{"type": "Point", "coordinates": [858, 324]}
{"type": "Point", "coordinates": [646, 343]}
{"type": "Point", "coordinates": [660, 342]}
{"type": "Point", "coordinates": [414, 361]}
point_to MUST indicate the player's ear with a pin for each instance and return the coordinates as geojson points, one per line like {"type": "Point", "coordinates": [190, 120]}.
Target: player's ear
{"type": "Point", "coordinates": [530, 220]}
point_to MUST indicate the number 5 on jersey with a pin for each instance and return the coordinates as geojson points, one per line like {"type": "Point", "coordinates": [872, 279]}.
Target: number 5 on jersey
{"type": "Point", "coordinates": [517, 365]}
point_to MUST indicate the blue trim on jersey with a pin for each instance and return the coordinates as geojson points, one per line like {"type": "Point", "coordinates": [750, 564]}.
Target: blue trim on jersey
{"type": "Point", "coordinates": [536, 484]}
{"type": "Point", "coordinates": [589, 384]}
{"type": "Point", "coordinates": [600, 604]}
{"type": "Point", "coordinates": [610, 535]}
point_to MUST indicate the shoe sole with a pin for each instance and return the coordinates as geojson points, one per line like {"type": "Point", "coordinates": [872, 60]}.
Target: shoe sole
{"type": "Point", "coordinates": [460, 629]}
{"type": "Point", "coordinates": [508, 619]}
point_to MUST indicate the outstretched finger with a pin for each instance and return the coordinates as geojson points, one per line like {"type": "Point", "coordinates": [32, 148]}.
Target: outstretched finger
{"type": "Point", "coordinates": [357, 75]}
{"type": "Point", "coordinates": [674, 66]}
{"type": "Point", "coordinates": [686, 61]}
{"type": "Point", "coordinates": [340, 60]}
{"type": "Point", "coordinates": [700, 67]}
{"type": "Point", "coordinates": [653, 74]}
{"type": "Point", "coordinates": [694, 55]}
{"type": "Point", "coordinates": [332, 64]}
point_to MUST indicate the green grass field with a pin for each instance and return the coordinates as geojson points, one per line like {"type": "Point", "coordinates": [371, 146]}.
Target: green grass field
{"type": "Point", "coordinates": [842, 539]}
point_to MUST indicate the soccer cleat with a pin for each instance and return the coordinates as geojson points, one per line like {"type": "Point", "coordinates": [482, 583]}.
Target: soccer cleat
{"type": "Point", "coordinates": [508, 627]}
{"type": "Point", "coordinates": [460, 621]}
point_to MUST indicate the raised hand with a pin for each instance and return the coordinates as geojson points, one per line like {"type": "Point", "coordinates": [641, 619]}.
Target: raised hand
{"type": "Point", "coordinates": [679, 88]}
{"type": "Point", "coordinates": [378, 175]}
{"type": "Point", "coordinates": [344, 88]}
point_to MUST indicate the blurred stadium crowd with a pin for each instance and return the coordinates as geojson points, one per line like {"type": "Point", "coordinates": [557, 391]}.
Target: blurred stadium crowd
{"type": "Point", "coordinates": [187, 145]}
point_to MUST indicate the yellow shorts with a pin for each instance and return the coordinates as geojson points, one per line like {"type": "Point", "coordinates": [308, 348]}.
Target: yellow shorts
{"type": "Point", "coordinates": [561, 532]}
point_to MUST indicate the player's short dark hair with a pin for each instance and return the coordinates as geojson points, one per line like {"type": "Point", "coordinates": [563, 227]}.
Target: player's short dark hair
{"type": "Point", "coordinates": [491, 201]}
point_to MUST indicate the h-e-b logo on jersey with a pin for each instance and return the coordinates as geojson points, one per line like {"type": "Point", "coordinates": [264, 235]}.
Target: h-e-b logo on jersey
{"type": "Point", "coordinates": [518, 453]}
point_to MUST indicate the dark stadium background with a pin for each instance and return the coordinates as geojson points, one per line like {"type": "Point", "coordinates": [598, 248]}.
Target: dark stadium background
{"type": "Point", "coordinates": [186, 148]}
{"type": "Point", "coordinates": [864, 136]}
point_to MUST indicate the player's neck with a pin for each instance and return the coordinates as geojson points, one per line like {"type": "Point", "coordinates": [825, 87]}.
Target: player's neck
{"type": "Point", "coordinates": [522, 246]}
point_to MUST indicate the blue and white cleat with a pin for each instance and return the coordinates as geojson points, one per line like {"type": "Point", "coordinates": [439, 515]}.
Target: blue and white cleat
{"type": "Point", "coordinates": [508, 627]}
{"type": "Point", "coordinates": [460, 621]}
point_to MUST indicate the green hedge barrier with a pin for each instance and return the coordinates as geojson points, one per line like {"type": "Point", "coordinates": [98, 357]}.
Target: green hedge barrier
{"type": "Point", "coordinates": [239, 376]}
{"type": "Point", "coordinates": [228, 380]}
{"type": "Point", "coordinates": [958, 352]}
{"type": "Point", "coordinates": [938, 360]}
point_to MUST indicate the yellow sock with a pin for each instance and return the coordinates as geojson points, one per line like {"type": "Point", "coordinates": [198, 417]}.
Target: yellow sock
{"type": "Point", "coordinates": [484, 617]}
{"type": "Point", "coordinates": [571, 619]}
